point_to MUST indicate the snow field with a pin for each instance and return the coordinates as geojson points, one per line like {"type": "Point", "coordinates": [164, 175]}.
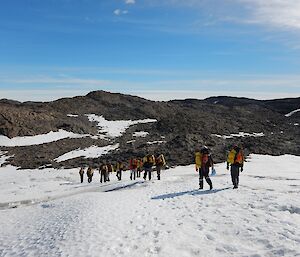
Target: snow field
{"type": "Point", "coordinates": [162, 218]}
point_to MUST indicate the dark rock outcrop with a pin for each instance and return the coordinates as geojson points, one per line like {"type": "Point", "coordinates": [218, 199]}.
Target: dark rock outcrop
{"type": "Point", "coordinates": [182, 126]}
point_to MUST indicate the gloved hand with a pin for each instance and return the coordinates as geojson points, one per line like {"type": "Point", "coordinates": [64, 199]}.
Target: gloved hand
{"type": "Point", "coordinates": [242, 169]}
{"type": "Point", "coordinates": [227, 167]}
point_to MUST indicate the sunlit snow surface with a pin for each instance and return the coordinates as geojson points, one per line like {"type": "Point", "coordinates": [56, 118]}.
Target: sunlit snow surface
{"type": "Point", "coordinates": [114, 128]}
{"type": "Point", "coordinates": [170, 217]}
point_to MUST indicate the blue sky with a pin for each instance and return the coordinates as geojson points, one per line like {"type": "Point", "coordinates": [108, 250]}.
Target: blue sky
{"type": "Point", "coordinates": [157, 49]}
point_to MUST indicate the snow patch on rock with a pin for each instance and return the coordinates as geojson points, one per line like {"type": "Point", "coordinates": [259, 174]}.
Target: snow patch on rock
{"type": "Point", "coordinates": [140, 134]}
{"type": "Point", "coordinates": [291, 113]}
{"type": "Point", "coordinates": [90, 152]}
{"type": "Point", "coordinates": [72, 115]}
{"type": "Point", "coordinates": [156, 142]}
{"type": "Point", "coordinates": [240, 134]}
{"type": "Point", "coordinates": [114, 128]}
{"type": "Point", "coordinates": [39, 139]}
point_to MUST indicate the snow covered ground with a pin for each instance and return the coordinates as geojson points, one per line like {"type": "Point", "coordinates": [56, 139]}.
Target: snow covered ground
{"type": "Point", "coordinates": [55, 215]}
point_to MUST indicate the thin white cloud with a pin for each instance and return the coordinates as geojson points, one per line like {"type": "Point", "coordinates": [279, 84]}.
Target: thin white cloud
{"type": "Point", "coordinates": [129, 1]}
{"type": "Point", "coordinates": [119, 12]}
{"type": "Point", "coordinates": [284, 14]}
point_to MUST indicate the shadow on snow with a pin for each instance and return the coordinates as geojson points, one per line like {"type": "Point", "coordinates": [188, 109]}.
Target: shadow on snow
{"type": "Point", "coordinates": [191, 192]}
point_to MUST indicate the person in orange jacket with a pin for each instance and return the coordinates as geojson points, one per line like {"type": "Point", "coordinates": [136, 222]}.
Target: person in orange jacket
{"type": "Point", "coordinates": [133, 168]}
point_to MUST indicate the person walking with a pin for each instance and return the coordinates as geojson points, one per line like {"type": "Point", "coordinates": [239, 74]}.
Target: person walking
{"type": "Point", "coordinates": [139, 167]}
{"type": "Point", "coordinates": [160, 162]}
{"type": "Point", "coordinates": [235, 160]}
{"type": "Point", "coordinates": [81, 173]}
{"type": "Point", "coordinates": [204, 161]}
{"type": "Point", "coordinates": [90, 173]}
{"type": "Point", "coordinates": [133, 168]}
{"type": "Point", "coordinates": [119, 169]}
{"type": "Point", "coordinates": [148, 163]}
{"type": "Point", "coordinates": [103, 172]}
{"type": "Point", "coordinates": [110, 169]}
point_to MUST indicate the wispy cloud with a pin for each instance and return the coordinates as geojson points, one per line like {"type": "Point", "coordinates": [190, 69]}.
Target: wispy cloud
{"type": "Point", "coordinates": [129, 1]}
{"type": "Point", "coordinates": [280, 14]}
{"type": "Point", "coordinates": [119, 12]}
{"type": "Point", "coordinates": [283, 14]}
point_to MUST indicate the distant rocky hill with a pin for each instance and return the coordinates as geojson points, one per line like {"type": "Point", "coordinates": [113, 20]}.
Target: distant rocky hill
{"type": "Point", "coordinates": [181, 126]}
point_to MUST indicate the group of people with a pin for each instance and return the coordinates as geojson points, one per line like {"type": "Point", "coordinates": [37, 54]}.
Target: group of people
{"type": "Point", "coordinates": [136, 166]}
{"type": "Point", "coordinates": [204, 161]}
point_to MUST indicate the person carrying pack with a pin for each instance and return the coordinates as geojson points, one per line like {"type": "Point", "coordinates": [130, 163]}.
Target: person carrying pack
{"type": "Point", "coordinates": [103, 170]}
{"type": "Point", "coordinates": [139, 167]}
{"type": "Point", "coordinates": [133, 162]}
{"type": "Point", "coordinates": [90, 174]}
{"type": "Point", "coordinates": [81, 173]}
{"type": "Point", "coordinates": [119, 168]}
{"type": "Point", "coordinates": [235, 160]}
{"type": "Point", "coordinates": [203, 162]}
{"type": "Point", "coordinates": [110, 169]}
{"type": "Point", "coordinates": [148, 163]}
{"type": "Point", "coordinates": [160, 162]}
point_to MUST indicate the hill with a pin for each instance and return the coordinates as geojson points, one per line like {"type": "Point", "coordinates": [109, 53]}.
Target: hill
{"type": "Point", "coordinates": [84, 124]}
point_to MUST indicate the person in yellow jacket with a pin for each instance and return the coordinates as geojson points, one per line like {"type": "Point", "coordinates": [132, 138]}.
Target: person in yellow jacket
{"type": "Point", "coordinates": [103, 170]}
{"type": "Point", "coordinates": [160, 162]}
{"type": "Point", "coordinates": [148, 163]}
{"type": "Point", "coordinates": [203, 162]}
{"type": "Point", "coordinates": [90, 173]}
{"type": "Point", "coordinates": [119, 168]}
{"type": "Point", "coordinates": [235, 160]}
{"type": "Point", "coordinates": [139, 167]}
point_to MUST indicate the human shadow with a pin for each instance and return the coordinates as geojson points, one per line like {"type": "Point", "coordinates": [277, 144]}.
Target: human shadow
{"type": "Point", "coordinates": [191, 192]}
{"type": "Point", "coordinates": [124, 186]}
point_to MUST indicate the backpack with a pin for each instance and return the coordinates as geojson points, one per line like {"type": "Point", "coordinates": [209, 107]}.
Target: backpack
{"type": "Point", "coordinates": [150, 159]}
{"type": "Point", "coordinates": [110, 168]}
{"type": "Point", "coordinates": [239, 157]}
{"type": "Point", "coordinates": [161, 160]}
{"type": "Point", "coordinates": [231, 156]}
{"type": "Point", "coordinates": [205, 158]}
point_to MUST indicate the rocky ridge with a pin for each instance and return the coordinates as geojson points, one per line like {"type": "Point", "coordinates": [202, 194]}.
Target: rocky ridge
{"type": "Point", "coordinates": [182, 126]}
